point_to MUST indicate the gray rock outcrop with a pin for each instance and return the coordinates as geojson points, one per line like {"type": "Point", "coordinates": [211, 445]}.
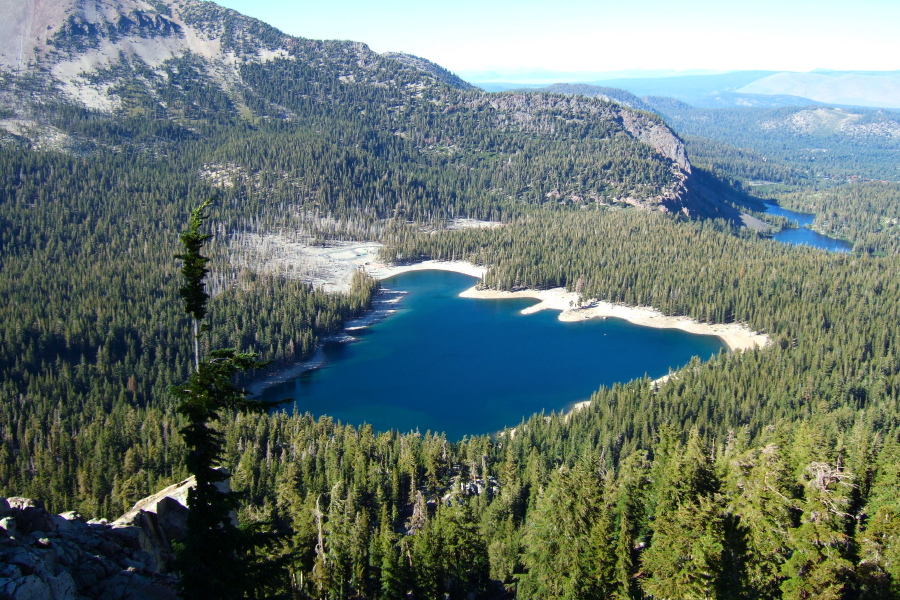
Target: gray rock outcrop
{"type": "Point", "coordinates": [44, 556]}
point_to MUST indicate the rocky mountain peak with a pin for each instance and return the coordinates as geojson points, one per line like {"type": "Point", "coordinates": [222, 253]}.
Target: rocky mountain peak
{"type": "Point", "coordinates": [39, 27]}
{"type": "Point", "coordinates": [79, 45]}
{"type": "Point", "coordinates": [191, 62]}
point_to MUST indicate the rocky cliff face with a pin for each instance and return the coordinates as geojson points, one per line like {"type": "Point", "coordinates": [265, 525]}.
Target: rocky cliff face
{"type": "Point", "coordinates": [44, 556]}
{"type": "Point", "coordinates": [150, 57]}
{"type": "Point", "coordinates": [538, 112]}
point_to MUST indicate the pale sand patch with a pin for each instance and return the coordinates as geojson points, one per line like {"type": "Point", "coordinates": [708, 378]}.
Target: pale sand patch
{"type": "Point", "coordinates": [735, 335]}
{"type": "Point", "coordinates": [382, 271]}
{"type": "Point", "coordinates": [455, 224]}
{"type": "Point", "coordinates": [330, 266]}
{"type": "Point", "coordinates": [292, 257]}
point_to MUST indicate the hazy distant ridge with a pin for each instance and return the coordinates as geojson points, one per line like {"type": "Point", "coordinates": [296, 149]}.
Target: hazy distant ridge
{"type": "Point", "coordinates": [744, 88]}
{"type": "Point", "coordinates": [856, 89]}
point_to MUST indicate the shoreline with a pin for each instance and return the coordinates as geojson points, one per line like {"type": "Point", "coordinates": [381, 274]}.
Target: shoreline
{"type": "Point", "coordinates": [735, 336]}
{"type": "Point", "coordinates": [654, 384]}
{"type": "Point", "coordinates": [381, 271]}
{"type": "Point", "coordinates": [382, 307]}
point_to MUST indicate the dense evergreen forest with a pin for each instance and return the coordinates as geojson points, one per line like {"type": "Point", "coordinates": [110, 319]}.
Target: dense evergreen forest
{"type": "Point", "coordinates": [768, 474]}
{"type": "Point", "coordinates": [831, 142]}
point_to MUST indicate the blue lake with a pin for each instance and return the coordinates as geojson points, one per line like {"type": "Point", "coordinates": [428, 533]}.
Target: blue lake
{"type": "Point", "coordinates": [465, 366]}
{"type": "Point", "coordinates": [803, 236]}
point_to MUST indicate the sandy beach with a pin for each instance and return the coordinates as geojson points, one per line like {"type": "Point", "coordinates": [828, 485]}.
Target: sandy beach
{"type": "Point", "coordinates": [380, 271]}
{"type": "Point", "coordinates": [733, 335]}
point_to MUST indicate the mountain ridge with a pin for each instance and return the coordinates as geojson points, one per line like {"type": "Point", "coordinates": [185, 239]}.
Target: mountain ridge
{"type": "Point", "coordinates": [873, 89]}
{"type": "Point", "coordinates": [198, 64]}
{"type": "Point", "coordinates": [852, 89]}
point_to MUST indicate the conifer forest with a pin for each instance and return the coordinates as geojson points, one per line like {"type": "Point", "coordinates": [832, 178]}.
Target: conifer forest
{"type": "Point", "coordinates": [771, 473]}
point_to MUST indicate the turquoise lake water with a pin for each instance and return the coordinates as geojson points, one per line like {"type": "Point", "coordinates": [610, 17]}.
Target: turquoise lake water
{"type": "Point", "coordinates": [466, 366]}
{"type": "Point", "coordinates": [803, 236]}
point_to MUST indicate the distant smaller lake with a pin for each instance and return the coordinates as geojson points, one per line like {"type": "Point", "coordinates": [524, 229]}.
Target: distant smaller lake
{"type": "Point", "coordinates": [803, 236]}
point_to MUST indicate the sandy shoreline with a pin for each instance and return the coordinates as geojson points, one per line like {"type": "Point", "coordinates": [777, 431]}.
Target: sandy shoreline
{"type": "Point", "coordinates": [735, 336]}
{"type": "Point", "coordinates": [380, 271]}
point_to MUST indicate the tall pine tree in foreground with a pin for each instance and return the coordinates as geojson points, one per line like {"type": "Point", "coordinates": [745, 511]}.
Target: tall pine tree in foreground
{"type": "Point", "coordinates": [218, 559]}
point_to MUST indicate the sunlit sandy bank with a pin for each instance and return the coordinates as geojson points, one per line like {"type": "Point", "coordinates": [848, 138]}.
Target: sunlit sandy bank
{"type": "Point", "coordinates": [380, 271]}
{"type": "Point", "coordinates": [734, 335]}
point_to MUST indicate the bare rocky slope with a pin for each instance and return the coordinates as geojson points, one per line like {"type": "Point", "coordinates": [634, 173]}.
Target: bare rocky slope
{"type": "Point", "coordinates": [140, 58]}
{"type": "Point", "coordinates": [45, 556]}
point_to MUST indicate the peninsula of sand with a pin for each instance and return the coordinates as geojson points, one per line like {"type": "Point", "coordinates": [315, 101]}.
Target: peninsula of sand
{"type": "Point", "coordinates": [734, 335]}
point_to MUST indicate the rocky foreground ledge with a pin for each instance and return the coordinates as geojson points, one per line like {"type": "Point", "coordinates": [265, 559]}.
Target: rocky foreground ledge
{"type": "Point", "coordinates": [44, 556]}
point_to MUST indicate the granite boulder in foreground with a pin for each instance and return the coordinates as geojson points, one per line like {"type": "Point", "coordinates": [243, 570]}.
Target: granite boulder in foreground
{"type": "Point", "coordinates": [44, 556]}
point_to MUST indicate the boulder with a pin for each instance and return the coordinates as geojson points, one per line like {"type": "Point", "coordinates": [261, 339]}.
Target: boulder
{"type": "Point", "coordinates": [68, 521]}
{"type": "Point", "coordinates": [172, 516]}
{"type": "Point", "coordinates": [30, 515]}
{"type": "Point", "coordinates": [8, 526]}
{"type": "Point", "coordinates": [62, 587]}
{"type": "Point", "coordinates": [65, 557]}
{"type": "Point", "coordinates": [30, 587]}
{"type": "Point", "coordinates": [177, 492]}
{"type": "Point", "coordinates": [18, 502]}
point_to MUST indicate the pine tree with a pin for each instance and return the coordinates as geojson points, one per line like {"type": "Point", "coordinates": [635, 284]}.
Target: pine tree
{"type": "Point", "coordinates": [762, 506]}
{"type": "Point", "coordinates": [213, 561]}
{"type": "Point", "coordinates": [631, 489]}
{"type": "Point", "coordinates": [193, 268]}
{"type": "Point", "coordinates": [819, 566]}
{"type": "Point", "coordinates": [392, 571]}
{"type": "Point", "coordinates": [685, 556]}
{"type": "Point", "coordinates": [568, 542]}
{"type": "Point", "coordinates": [879, 568]}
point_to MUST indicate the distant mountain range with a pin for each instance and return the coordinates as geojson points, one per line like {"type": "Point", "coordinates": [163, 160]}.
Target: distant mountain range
{"type": "Point", "coordinates": [83, 75]}
{"type": "Point", "coordinates": [766, 89]}
{"type": "Point", "coordinates": [814, 138]}
{"type": "Point", "coordinates": [525, 76]}
{"type": "Point", "coordinates": [848, 88]}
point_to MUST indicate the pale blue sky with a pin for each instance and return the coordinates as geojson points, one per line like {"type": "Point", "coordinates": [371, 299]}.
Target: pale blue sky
{"type": "Point", "coordinates": [583, 35]}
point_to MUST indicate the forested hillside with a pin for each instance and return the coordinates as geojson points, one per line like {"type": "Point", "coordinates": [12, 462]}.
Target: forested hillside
{"type": "Point", "coordinates": [867, 213]}
{"type": "Point", "coordinates": [767, 474]}
{"type": "Point", "coordinates": [328, 138]}
{"type": "Point", "coordinates": [789, 144]}
{"type": "Point", "coordinates": [823, 142]}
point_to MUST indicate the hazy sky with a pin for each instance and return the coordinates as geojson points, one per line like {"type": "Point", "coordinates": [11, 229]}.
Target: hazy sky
{"type": "Point", "coordinates": [584, 35]}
